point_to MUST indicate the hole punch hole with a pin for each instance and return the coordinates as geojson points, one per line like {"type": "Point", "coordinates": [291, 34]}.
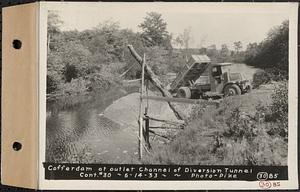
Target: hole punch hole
{"type": "Point", "coordinates": [17, 146]}
{"type": "Point", "coordinates": [17, 44]}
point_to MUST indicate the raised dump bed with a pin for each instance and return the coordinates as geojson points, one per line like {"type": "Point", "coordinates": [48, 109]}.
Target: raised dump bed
{"type": "Point", "coordinates": [196, 65]}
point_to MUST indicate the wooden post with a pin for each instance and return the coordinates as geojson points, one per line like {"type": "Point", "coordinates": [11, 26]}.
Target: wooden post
{"type": "Point", "coordinates": [146, 132]}
{"type": "Point", "coordinates": [147, 100]}
{"type": "Point", "coordinates": [146, 118]}
{"type": "Point", "coordinates": [141, 116]}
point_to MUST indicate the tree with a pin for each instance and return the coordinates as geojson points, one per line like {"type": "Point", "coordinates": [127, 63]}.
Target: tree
{"type": "Point", "coordinates": [54, 22]}
{"type": "Point", "coordinates": [277, 43]}
{"type": "Point", "coordinates": [107, 42]}
{"type": "Point", "coordinates": [184, 39]}
{"type": "Point", "coordinates": [178, 42]}
{"type": "Point", "coordinates": [225, 52]}
{"type": "Point", "coordinates": [251, 50]}
{"type": "Point", "coordinates": [272, 53]}
{"type": "Point", "coordinates": [54, 66]}
{"type": "Point", "coordinates": [75, 57]}
{"type": "Point", "coordinates": [203, 51]}
{"type": "Point", "coordinates": [238, 46]}
{"type": "Point", "coordinates": [154, 30]}
{"type": "Point", "coordinates": [212, 47]}
{"type": "Point", "coordinates": [212, 50]}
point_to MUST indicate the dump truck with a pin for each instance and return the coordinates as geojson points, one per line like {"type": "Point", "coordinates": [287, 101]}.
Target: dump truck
{"type": "Point", "coordinates": [199, 78]}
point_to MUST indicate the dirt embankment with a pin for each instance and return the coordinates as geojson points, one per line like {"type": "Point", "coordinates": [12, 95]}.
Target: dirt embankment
{"type": "Point", "coordinates": [126, 109]}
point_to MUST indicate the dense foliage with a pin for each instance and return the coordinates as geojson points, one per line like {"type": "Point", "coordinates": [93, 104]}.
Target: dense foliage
{"type": "Point", "coordinates": [279, 109]}
{"type": "Point", "coordinates": [272, 53]}
{"type": "Point", "coordinates": [102, 53]}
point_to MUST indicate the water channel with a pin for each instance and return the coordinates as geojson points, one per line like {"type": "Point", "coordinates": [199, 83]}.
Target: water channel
{"type": "Point", "coordinates": [83, 134]}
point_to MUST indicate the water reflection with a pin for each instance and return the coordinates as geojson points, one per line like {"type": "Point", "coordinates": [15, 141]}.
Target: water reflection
{"type": "Point", "coordinates": [84, 135]}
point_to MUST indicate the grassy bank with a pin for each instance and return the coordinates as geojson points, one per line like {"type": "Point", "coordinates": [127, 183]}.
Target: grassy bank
{"type": "Point", "coordinates": [243, 130]}
{"type": "Point", "coordinates": [80, 91]}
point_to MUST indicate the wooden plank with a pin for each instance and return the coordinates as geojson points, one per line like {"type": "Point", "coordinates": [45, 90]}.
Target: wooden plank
{"type": "Point", "coordinates": [133, 80]}
{"type": "Point", "coordinates": [182, 100]}
{"type": "Point", "coordinates": [178, 122]}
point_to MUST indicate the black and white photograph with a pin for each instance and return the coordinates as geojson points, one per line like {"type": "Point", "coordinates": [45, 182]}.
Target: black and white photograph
{"type": "Point", "coordinates": [168, 92]}
{"type": "Point", "coordinates": [156, 85]}
{"type": "Point", "coordinates": [159, 92]}
{"type": "Point", "coordinates": [150, 96]}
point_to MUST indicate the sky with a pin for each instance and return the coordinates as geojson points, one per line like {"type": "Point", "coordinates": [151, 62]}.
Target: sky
{"type": "Point", "coordinates": [210, 23]}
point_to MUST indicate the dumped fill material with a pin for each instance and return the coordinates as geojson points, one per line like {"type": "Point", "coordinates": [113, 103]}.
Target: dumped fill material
{"type": "Point", "coordinates": [125, 110]}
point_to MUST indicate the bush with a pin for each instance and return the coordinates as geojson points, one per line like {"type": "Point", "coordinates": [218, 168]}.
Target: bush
{"type": "Point", "coordinates": [52, 83]}
{"type": "Point", "coordinates": [279, 108]}
{"type": "Point", "coordinates": [70, 72]}
{"type": "Point", "coordinates": [249, 138]}
{"type": "Point", "coordinates": [277, 74]}
{"type": "Point", "coordinates": [241, 126]}
{"type": "Point", "coordinates": [260, 78]}
{"type": "Point", "coordinates": [99, 82]}
{"type": "Point", "coordinates": [268, 75]}
{"type": "Point", "coordinates": [76, 86]}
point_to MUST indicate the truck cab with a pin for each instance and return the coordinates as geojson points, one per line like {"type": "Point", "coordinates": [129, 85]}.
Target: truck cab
{"type": "Point", "coordinates": [220, 81]}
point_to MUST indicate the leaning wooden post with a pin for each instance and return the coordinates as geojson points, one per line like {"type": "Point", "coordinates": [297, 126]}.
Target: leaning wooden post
{"type": "Point", "coordinates": [155, 80]}
{"type": "Point", "coordinates": [141, 116]}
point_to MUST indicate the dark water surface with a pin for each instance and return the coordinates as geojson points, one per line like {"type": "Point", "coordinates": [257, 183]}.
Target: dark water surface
{"type": "Point", "coordinates": [83, 135]}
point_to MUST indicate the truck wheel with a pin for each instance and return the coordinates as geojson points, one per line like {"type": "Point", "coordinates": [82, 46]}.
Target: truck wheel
{"type": "Point", "coordinates": [231, 90]}
{"type": "Point", "coordinates": [248, 89]}
{"type": "Point", "coordinates": [184, 92]}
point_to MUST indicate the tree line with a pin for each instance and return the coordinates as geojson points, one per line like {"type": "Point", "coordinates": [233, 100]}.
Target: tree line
{"type": "Point", "coordinates": [101, 54]}
{"type": "Point", "coordinates": [272, 53]}
{"type": "Point", "coordinates": [89, 60]}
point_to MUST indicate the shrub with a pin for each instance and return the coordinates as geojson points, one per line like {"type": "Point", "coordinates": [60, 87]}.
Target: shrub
{"type": "Point", "coordinates": [70, 72]}
{"type": "Point", "coordinates": [279, 108]}
{"type": "Point", "coordinates": [248, 142]}
{"type": "Point", "coordinates": [76, 86]}
{"type": "Point", "coordinates": [52, 82]}
{"type": "Point", "coordinates": [271, 74]}
{"type": "Point", "coordinates": [241, 126]}
{"type": "Point", "coordinates": [99, 82]}
{"type": "Point", "coordinates": [260, 77]}
{"type": "Point", "coordinates": [277, 74]}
